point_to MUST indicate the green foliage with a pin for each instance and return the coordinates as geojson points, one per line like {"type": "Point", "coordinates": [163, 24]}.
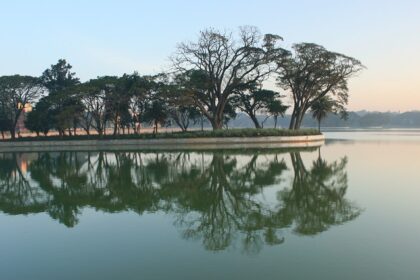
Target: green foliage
{"type": "Point", "coordinates": [39, 120]}
{"type": "Point", "coordinates": [256, 101]}
{"type": "Point", "coordinates": [156, 113]}
{"type": "Point", "coordinates": [213, 78]}
{"type": "Point", "coordinates": [245, 132]}
{"type": "Point", "coordinates": [321, 107]}
{"type": "Point", "coordinates": [65, 107]}
{"type": "Point", "coordinates": [15, 92]}
{"type": "Point", "coordinates": [5, 123]}
{"type": "Point", "coordinates": [313, 72]}
{"type": "Point", "coordinates": [59, 77]}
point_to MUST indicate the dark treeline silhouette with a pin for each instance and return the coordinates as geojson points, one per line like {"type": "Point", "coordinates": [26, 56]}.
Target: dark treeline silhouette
{"type": "Point", "coordinates": [360, 119]}
{"type": "Point", "coordinates": [214, 197]}
{"type": "Point", "coordinates": [211, 79]}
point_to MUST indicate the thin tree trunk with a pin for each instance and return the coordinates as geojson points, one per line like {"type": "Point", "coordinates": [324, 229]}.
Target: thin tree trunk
{"type": "Point", "coordinates": [12, 133]}
{"type": "Point", "coordinates": [293, 119]}
{"type": "Point", "coordinates": [255, 120]}
{"type": "Point", "coordinates": [299, 118]}
{"type": "Point", "coordinates": [115, 125]}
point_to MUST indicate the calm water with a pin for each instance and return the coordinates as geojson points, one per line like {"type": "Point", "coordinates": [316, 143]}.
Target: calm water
{"type": "Point", "coordinates": [349, 210]}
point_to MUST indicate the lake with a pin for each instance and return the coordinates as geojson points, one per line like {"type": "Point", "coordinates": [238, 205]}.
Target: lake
{"type": "Point", "coordinates": [347, 210]}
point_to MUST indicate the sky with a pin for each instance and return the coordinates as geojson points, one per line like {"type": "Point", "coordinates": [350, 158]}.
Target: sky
{"type": "Point", "coordinates": [110, 37]}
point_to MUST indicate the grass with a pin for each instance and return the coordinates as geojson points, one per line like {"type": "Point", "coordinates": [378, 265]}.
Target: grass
{"type": "Point", "coordinates": [243, 132]}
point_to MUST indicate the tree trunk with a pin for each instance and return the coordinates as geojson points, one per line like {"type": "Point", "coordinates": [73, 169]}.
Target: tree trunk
{"type": "Point", "coordinates": [255, 120]}
{"type": "Point", "coordinates": [216, 124]}
{"type": "Point", "coordinates": [299, 118]}
{"type": "Point", "coordinates": [115, 125]}
{"type": "Point", "coordinates": [275, 121]}
{"type": "Point", "coordinates": [293, 118]}
{"type": "Point", "coordinates": [319, 125]}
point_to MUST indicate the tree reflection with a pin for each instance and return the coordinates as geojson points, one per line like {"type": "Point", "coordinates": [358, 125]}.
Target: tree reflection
{"type": "Point", "coordinates": [316, 199]}
{"type": "Point", "coordinates": [218, 205]}
{"type": "Point", "coordinates": [219, 198]}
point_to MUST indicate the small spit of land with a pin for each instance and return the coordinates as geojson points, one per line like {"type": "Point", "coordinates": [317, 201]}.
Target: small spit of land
{"type": "Point", "coordinates": [246, 132]}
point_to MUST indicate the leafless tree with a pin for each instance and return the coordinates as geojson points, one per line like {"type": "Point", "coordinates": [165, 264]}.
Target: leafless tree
{"type": "Point", "coordinates": [229, 64]}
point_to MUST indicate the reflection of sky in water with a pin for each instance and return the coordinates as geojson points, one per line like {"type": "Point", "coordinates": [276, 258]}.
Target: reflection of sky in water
{"type": "Point", "coordinates": [377, 135]}
{"type": "Point", "coordinates": [381, 243]}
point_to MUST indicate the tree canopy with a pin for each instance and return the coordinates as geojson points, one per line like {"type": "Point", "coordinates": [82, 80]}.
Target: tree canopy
{"type": "Point", "coordinates": [226, 64]}
{"type": "Point", "coordinates": [15, 93]}
{"type": "Point", "coordinates": [212, 78]}
{"type": "Point", "coordinates": [312, 72]}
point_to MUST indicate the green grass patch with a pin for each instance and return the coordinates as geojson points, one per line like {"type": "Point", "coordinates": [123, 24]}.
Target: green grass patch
{"type": "Point", "coordinates": [244, 132]}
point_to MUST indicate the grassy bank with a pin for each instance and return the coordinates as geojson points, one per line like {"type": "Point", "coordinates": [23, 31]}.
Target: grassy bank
{"type": "Point", "coordinates": [245, 132]}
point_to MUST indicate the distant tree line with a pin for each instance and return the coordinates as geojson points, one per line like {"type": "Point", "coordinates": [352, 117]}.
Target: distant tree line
{"type": "Point", "coordinates": [211, 80]}
{"type": "Point", "coordinates": [358, 119]}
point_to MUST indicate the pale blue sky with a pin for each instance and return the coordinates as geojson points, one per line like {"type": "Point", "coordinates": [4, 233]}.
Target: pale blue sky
{"type": "Point", "coordinates": [113, 37]}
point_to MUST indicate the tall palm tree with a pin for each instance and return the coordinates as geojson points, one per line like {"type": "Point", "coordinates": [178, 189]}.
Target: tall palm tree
{"type": "Point", "coordinates": [320, 109]}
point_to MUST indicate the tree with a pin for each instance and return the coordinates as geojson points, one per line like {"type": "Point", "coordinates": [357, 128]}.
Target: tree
{"type": "Point", "coordinates": [65, 108]}
{"type": "Point", "coordinates": [257, 101]}
{"type": "Point", "coordinates": [320, 109]}
{"type": "Point", "coordinates": [180, 108]}
{"type": "Point", "coordinates": [39, 120]}
{"type": "Point", "coordinates": [229, 114]}
{"type": "Point", "coordinates": [141, 91]}
{"type": "Point", "coordinates": [5, 123]}
{"type": "Point", "coordinates": [59, 77]}
{"type": "Point", "coordinates": [69, 114]}
{"type": "Point", "coordinates": [276, 109]}
{"type": "Point", "coordinates": [93, 95]}
{"type": "Point", "coordinates": [313, 72]}
{"type": "Point", "coordinates": [117, 101]}
{"type": "Point", "coordinates": [183, 116]}
{"type": "Point", "coordinates": [15, 93]}
{"type": "Point", "coordinates": [156, 113]}
{"type": "Point", "coordinates": [226, 65]}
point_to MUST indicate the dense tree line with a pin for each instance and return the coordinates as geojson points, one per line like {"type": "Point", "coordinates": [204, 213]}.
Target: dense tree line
{"type": "Point", "coordinates": [212, 79]}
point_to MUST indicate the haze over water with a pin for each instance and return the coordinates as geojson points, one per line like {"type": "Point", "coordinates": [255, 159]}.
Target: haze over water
{"type": "Point", "coordinates": [348, 210]}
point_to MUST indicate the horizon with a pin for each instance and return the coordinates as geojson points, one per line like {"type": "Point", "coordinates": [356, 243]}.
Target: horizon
{"type": "Point", "coordinates": [124, 37]}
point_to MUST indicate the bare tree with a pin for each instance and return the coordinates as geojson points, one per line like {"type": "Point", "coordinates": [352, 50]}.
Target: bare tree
{"type": "Point", "coordinates": [93, 97]}
{"type": "Point", "coordinates": [228, 64]}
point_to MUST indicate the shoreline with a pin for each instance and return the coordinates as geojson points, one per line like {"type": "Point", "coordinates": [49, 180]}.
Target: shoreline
{"type": "Point", "coordinates": [211, 143]}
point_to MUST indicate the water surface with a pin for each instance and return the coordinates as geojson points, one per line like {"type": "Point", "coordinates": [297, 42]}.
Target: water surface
{"type": "Point", "coordinates": [348, 210]}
